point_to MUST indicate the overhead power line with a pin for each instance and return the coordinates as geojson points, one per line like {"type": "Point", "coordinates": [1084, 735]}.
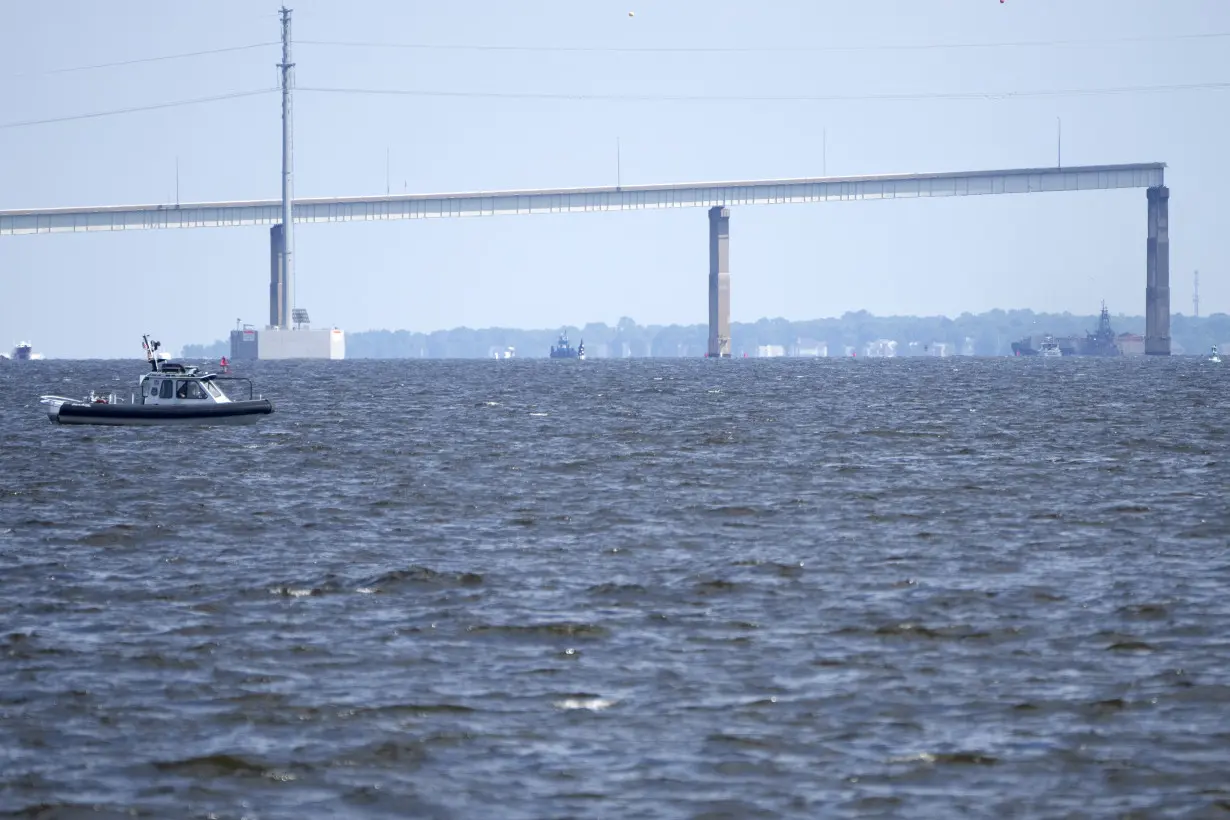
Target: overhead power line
{"type": "Point", "coordinates": [890, 97]}
{"type": "Point", "coordinates": [699, 98]}
{"type": "Point", "coordinates": [638, 49]}
{"type": "Point", "coordinates": [1145, 38]}
{"type": "Point", "coordinates": [140, 60]}
{"type": "Point", "coordinates": [152, 107]}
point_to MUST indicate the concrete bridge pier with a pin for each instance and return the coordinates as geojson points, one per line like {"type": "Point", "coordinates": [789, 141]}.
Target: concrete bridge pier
{"type": "Point", "coordinates": [1157, 270]}
{"type": "Point", "coordinates": [719, 283]}
{"type": "Point", "coordinates": [277, 278]}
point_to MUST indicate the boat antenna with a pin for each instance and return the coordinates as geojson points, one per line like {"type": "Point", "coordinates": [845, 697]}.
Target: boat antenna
{"type": "Point", "coordinates": [151, 348]}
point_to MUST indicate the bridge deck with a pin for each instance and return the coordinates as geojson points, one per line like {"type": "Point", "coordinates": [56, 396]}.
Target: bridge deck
{"type": "Point", "coordinates": [572, 200]}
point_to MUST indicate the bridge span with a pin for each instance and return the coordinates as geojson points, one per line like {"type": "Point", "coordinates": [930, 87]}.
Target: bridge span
{"type": "Point", "coordinates": [718, 197]}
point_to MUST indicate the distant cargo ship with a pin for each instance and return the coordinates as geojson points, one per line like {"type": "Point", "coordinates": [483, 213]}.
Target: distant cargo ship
{"type": "Point", "coordinates": [1099, 343]}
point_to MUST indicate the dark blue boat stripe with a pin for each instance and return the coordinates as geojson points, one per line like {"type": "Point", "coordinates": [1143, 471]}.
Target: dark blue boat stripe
{"type": "Point", "coordinates": [131, 411]}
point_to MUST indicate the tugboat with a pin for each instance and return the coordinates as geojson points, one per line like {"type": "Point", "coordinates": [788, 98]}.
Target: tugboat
{"type": "Point", "coordinates": [1213, 356]}
{"type": "Point", "coordinates": [562, 349]}
{"type": "Point", "coordinates": [170, 393]}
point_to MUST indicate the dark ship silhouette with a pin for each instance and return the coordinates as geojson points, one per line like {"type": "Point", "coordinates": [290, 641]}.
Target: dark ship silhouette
{"type": "Point", "coordinates": [1099, 343]}
{"type": "Point", "coordinates": [562, 349]}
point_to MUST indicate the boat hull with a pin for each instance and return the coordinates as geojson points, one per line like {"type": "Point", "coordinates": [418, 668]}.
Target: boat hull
{"type": "Point", "coordinates": [137, 415]}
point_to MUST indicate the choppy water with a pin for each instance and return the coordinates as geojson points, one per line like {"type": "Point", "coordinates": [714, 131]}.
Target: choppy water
{"type": "Point", "coordinates": [669, 589]}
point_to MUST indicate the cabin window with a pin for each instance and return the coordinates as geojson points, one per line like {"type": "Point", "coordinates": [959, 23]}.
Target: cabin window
{"type": "Point", "coordinates": [149, 388]}
{"type": "Point", "coordinates": [212, 389]}
{"type": "Point", "coordinates": [188, 390]}
{"type": "Point", "coordinates": [167, 387]}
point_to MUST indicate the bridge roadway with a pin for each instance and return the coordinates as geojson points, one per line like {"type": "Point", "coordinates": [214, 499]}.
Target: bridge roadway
{"type": "Point", "coordinates": [717, 196]}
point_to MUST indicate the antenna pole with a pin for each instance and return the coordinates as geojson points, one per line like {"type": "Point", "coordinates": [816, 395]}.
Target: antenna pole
{"type": "Point", "coordinates": [1196, 294]}
{"type": "Point", "coordinates": [177, 181]}
{"type": "Point", "coordinates": [386, 172]}
{"type": "Point", "coordinates": [1058, 143]}
{"type": "Point", "coordinates": [618, 167]}
{"type": "Point", "coordinates": [288, 243]}
{"type": "Point", "coordinates": [824, 153]}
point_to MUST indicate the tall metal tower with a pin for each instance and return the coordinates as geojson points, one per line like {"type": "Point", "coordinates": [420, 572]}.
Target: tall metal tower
{"type": "Point", "coordinates": [288, 242]}
{"type": "Point", "coordinates": [1196, 294]}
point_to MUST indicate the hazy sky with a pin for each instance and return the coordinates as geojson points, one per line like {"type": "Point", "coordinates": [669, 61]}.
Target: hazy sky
{"type": "Point", "coordinates": [93, 295]}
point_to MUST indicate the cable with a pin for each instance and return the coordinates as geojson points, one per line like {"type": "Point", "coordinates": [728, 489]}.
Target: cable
{"type": "Point", "coordinates": [134, 109]}
{"type": "Point", "coordinates": [955, 95]}
{"type": "Point", "coordinates": [1148, 38]}
{"type": "Point", "coordinates": [583, 97]}
{"type": "Point", "coordinates": [140, 60]}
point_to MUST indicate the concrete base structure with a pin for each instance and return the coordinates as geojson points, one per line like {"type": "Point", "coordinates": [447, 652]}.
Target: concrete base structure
{"type": "Point", "coordinates": [719, 283]}
{"type": "Point", "coordinates": [1157, 272]}
{"type": "Point", "coordinates": [247, 345]}
{"type": "Point", "coordinates": [243, 345]}
{"type": "Point", "coordinates": [301, 344]}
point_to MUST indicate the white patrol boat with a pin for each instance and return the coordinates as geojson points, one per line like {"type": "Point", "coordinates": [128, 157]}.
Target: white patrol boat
{"type": "Point", "coordinates": [170, 393]}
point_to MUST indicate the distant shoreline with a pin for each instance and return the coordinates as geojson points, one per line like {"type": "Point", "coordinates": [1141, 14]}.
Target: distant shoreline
{"type": "Point", "coordinates": [863, 334]}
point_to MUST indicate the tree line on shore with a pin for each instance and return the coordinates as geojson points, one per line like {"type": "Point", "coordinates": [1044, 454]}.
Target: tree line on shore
{"type": "Point", "coordinates": [984, 334]}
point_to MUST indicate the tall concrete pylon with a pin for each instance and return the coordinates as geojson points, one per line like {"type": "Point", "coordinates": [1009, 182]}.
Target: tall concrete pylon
{"type": "Point", "coordinates": [277, 281]}
{"type": "Point", "coordinates": [719, 282]}
{"type": "Point", "coordinates": [1157, 272]}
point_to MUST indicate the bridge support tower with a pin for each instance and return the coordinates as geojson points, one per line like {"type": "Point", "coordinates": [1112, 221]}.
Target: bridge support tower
{"type": "Point", "coordinates": [719, 283]}
{"type": "Point", "coordinates": [278, 309]}
{"type": "Point", "coordinates": [1157, 271]}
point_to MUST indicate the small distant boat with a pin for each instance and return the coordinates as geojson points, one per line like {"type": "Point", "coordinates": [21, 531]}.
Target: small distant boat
{"type": "Point", "coordinates": [1213, 356]}
{"type": "Point", "coordinates": [563, 349]}
{"type": "Point", "coordinates": [1049, 347]}
{"type": "Point", "coordinates": [170, 393]}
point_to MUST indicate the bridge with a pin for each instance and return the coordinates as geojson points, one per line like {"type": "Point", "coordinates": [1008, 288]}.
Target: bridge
{"type": "Point", "coordinates": [718, 197]}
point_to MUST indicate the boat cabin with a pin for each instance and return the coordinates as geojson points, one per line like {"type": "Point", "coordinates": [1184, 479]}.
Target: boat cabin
{"type": "Point", "coordinates": [174, 383]}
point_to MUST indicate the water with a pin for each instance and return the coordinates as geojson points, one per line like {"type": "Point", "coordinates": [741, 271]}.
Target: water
{"type": "Point", "coordinates": [668, 589]}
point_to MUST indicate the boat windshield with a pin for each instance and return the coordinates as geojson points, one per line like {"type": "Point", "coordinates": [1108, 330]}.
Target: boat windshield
{"type": "Point", "coordinates": [188, 389]}
{"type": "Point", "coordinates": [212, 389]}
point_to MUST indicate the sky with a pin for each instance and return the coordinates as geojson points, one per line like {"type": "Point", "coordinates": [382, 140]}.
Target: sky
{"type": "Point", "coordinates": [93, 295]}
